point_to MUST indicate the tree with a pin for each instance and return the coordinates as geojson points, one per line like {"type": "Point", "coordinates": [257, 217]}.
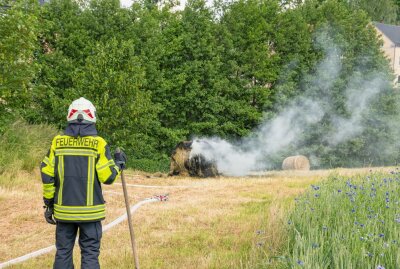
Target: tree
{"type": "Point", "coordinates": [255, 63]}
{"type": "Point", "coordinates": [195, 93]}
{"type": "Point", "coordinates": [18, 30]}
{"type": "Point", "coordinates": [381, 11]}
{"type": "Point", "coordinates": [397, 3]}
{"type": "Point", "coordinates": [63, 45]}
{"type": "Point", "coordinates": [352, 39]}
{"type": "Point", "coordinates": [159, 76]}
{"type": "Point", "coordinates": [150, 29]}
{"type": "Point", "coordinates": [113, 79]}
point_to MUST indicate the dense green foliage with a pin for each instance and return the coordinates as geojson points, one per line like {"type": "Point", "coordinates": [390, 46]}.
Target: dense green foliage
{"type": "Point", "coordinates": [18, 41]}
{"type": "Point", "coordinates": [158, 76]}
{"type": "Point", "coordinates": [381, 11]}
{"type": "Point", "coordinates": [345, 33]}
{"type": "Point", "coordinates": [346, 223]}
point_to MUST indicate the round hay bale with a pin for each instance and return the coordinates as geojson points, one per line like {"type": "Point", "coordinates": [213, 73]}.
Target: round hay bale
{"type": "Point", "coordinates": [298, 162]}
{"type": "Point", "coordinates": [179, 157]}
{"type": "Point", "coordinates": [183, 164]}
{"type": "Point", "coordinates": [198, 166]}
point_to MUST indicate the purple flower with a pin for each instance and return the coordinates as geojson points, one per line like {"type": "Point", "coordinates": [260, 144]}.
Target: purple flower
{"type": "Point", "coordinates": [339, 190]}
{"type": "Point", "coordinates": [380, 267]}
{"type": "Point", "coordinates": [381, 235]}
{"type": "Point", "coordinates": [397, 220]}
{"type": "Point", "coordinates": [315, 187]}
{"type": "Point", "coordinates": [300, 263]}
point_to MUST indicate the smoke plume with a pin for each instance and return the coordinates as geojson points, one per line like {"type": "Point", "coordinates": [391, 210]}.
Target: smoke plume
{"type": "Point", "coordinates": [310, 108]}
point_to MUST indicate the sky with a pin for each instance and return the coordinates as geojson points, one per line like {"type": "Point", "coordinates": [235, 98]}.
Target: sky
{"type": "Point", "coordinates": [128, 3]}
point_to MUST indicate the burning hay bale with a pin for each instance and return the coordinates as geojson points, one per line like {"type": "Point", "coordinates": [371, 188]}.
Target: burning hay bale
{"type": "Point", "coordinates": [199, 166]}
{"type": "Point", "coordinates": [179, 157]}
{"type": "Point", "coordinates": [298, 162]}
{"type": "Point", "coordinates": [184, 162]}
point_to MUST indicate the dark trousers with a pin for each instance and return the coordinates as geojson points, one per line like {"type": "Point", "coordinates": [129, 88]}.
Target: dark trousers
{"type": "Point", "coordinates": [89, 242]}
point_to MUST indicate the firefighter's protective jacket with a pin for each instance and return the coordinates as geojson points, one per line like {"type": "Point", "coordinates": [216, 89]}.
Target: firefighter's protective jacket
{"type": "Point", "coordinates": [72, 172]}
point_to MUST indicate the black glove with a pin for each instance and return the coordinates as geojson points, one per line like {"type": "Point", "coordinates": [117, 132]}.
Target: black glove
{"type": "Point", "coordinates": [48, 214]}
{"type": "Point", "coordinates": [120, 158]}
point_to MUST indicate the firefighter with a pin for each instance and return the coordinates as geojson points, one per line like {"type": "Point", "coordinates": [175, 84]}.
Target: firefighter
{"type": "Point", "coordinates": [72, 172]}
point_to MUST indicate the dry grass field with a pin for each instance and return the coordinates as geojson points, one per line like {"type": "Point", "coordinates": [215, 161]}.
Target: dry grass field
{"type": "Point", "coordinates": [207, 223]}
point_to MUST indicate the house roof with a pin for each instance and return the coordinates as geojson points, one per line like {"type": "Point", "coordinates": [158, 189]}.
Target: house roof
{"type": "Point", "coordinates": [391, 31]}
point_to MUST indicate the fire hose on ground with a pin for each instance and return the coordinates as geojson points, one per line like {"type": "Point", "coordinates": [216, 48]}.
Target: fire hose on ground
{"type": "Point", "coordinates": [157, 198]}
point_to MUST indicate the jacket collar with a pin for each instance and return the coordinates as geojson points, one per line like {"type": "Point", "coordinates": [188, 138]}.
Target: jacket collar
{"type": "Point", "coordinates": [81, 129]}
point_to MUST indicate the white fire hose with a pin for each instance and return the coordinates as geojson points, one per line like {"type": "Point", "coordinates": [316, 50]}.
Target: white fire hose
{"type": "Point", "coordinates": [120, 219]}
{"type": "Point", "coordinates": [153, 186]}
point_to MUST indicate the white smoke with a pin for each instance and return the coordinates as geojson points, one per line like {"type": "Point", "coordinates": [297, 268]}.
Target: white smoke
{"type": "Point", "coordinates": [358, 100]}
{"type": "Point", "coordinates": [230, 159]}
{"type": "Point", "coordinates": [288, 126]}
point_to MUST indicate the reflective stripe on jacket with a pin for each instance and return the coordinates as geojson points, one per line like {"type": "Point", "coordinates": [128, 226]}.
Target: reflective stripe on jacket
{"type": "Point", "coordinates": [72, 172]}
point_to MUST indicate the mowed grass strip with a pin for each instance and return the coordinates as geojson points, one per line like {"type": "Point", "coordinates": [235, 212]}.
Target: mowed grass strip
{"type": "Point", "coordinates": [347, 222]}
{"type": "Point", "coordinates": [213, 223]}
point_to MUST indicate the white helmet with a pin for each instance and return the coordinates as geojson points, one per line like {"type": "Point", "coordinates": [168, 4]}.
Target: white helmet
{"type": "Point", "coordinates": [81, 110]}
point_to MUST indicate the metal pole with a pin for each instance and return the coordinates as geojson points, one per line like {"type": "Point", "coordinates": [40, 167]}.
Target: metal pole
{"type": "Point", "coordinates": [128, 212]}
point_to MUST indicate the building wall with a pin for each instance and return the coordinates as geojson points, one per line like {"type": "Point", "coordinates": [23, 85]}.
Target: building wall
{"type": "Point", "coordinates": [396, 65]}
{"type": "Point", "coordinates": [392, 52]}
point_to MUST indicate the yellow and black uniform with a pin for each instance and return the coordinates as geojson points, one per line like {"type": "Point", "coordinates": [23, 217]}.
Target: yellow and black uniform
{"type": "Point", "coordinates": [72, 173]}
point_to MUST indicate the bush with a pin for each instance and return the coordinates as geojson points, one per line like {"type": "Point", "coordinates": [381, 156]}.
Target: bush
{"type": "Point", "coordinates": [147, 165]}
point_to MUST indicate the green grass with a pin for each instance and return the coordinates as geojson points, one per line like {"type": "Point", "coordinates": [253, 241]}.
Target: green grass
{"type": "Point", "coordinates": [346, 222]}
{"type": "Point", "coordinates": [23, 146]}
